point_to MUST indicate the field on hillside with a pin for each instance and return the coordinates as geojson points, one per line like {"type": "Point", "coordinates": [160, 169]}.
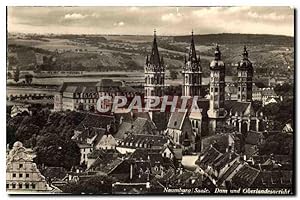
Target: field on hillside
{"type": "Point", "coordinates": [270, 54]}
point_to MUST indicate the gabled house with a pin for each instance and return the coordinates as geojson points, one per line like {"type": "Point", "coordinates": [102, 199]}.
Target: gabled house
{"type": "Point", "coordinates": [184, 131]}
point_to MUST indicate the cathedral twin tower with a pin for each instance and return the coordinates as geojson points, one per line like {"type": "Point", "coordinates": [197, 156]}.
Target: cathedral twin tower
{"type": "Point", "coordinates": [192, 78]}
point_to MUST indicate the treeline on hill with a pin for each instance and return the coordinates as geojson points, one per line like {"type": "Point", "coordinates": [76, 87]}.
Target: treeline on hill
{"type": "Point", "coordinates": [236, 38]}
{"type": "Point", "coordinates": [49, 134]}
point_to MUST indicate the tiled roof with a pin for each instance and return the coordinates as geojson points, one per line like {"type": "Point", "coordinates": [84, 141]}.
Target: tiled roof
{"type": "Point", "coordinates": [236, 107]}
{"type": "Point", "coordinates": [106, 162]}
{"type": "Point", "coordinates": [71, 89]}
{"type": "Point", "coordinates": [209, 157]}
{"type": "Point", "coordinates": [54, 172]}
{"type": "Point", "coordinates": [160, 120]}
{"type": "Point", "coordinates": [268, 92]}
{"type": "Point", "coordinates": [274, 179]}
{"type": "Point", "coordinates": [176, 120]}
{"type": "Point", "coordinates": [143, 126]}
{"type": "Point", "coordinates": [140, 140]}
{"type": "Point", "coordinates": [219, 141]}
{"type": "Point", "coordinates": [109, 83]}
{"type": "Point", "coordinates": [124, 129]}
{"type": "Point", "coordinates": [72, 86]}
{"type": "Point", "coordinates": [278, 158]}
{"type": "Point", "coordinates": [96, 121]}
{"type": "Point", "coordinates": [223, 160]}
{"type": "Point", "coordinates": [245, 176]}
{"type": "Point", "coordinates": [228, 172]}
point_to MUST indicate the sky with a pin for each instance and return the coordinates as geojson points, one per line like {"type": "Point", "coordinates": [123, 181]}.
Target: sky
{"type": "Point", "coordinates": [143, 20]}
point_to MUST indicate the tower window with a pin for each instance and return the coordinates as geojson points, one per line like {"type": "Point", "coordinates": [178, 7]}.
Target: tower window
{"type": "Point", "coordinates": [216, 89]}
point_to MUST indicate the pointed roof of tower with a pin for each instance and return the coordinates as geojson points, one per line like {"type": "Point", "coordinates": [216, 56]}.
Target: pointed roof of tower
{"type": "Point", "coordinates": [217, 53]}
{"type": "Point", "coordinates": [217, 62]}
{"type": "Point", "coordinates": [245, 53]}
{"type": "Point", "coordinates": [192, 51]}
{"type": "Point", "coordinates": [245, 63]}
{"type": "Point", "coordinates": [154, 57]}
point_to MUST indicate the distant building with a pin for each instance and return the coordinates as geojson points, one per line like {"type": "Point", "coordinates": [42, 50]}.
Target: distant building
{"type": "Point", "coordinates": [184, 129]}
{"type": "Point", "coordinates": [245, 74]}
{"type": "Point", "coordinates": [22, 174]}
{"type": "Point", "coordinates": [84, 95]}
{"type": "Point", "coordinates": [154, 72]}
{"type": "Point", "coordinates": [145, 141]}
{"type": "Point", "coordinates": [192, 73]}
{"type": "Point", "coordinates": [94, 132]}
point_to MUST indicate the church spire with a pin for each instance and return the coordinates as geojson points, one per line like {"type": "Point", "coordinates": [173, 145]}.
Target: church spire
{"type": "Point", "coordinates": [192, 52]}
{"type": "Point", "coordinates": [154, 57]}
{"type": "Point", "coordinates": [245, 53]}
{"type": "Point", "coordinates": [217, 53]}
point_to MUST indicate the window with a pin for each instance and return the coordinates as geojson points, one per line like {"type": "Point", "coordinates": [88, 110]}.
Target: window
{"type": "Point", "coordinates": [33, 185]}
{"type": "Point", "coordinates": [13, 185]}
{"type": "Point", "coordinates": [7, 186]}
{"type": "Point", "coordinates": [14, 175]}
{"type": "Point", "coordinates": [20, 175]}
{"type": "Point", "coordinates": [27, 175]}
{"type": "Point", "coordinates": [20, 185]}
{"type": "Point", "coordinates": [27, 185]}
{"type": "Point", "coordinates": [216, 89]}
{"type": "Point", "coordinates": [21, 166]}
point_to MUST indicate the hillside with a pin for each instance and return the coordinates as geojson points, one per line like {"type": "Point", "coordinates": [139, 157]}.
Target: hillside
{"type": "Point", "coordinates": [271, 54]}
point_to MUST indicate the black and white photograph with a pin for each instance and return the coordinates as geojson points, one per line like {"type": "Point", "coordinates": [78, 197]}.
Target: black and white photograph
{"type": "Point", "coordinates": [150, 100]}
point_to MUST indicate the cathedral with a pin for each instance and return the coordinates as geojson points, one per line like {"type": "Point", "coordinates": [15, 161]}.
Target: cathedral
{"type": "Point", "coordinates": [216, 113]}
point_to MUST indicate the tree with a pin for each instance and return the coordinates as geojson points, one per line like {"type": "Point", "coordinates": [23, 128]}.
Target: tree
{"type": "Point", "coordinates": [257, 105]}
{"type": "Point", "coordinates": [270, 110]}
{"type": "Point", "coordinates": [95, 185]}
{"type": "Point", "coordinates": [284, 89]}
{"type": "Point", "coordinates": [57, 151]}
{"type": "Point", "coordinates": [28, 78]}
{"type": "Point", "coordinates": [17, 74]}
{"type": "Point", "coordinates": [173, 74]}
{"type": "Point", "coordinates": [260, 84]}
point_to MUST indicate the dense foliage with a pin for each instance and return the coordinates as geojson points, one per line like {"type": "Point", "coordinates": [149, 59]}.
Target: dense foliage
{"type": "Point", "coordinates": [49, 134]}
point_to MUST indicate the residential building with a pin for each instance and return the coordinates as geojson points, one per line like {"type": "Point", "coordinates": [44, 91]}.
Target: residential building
{"type": "Point", "coordinates": [22, 174]}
